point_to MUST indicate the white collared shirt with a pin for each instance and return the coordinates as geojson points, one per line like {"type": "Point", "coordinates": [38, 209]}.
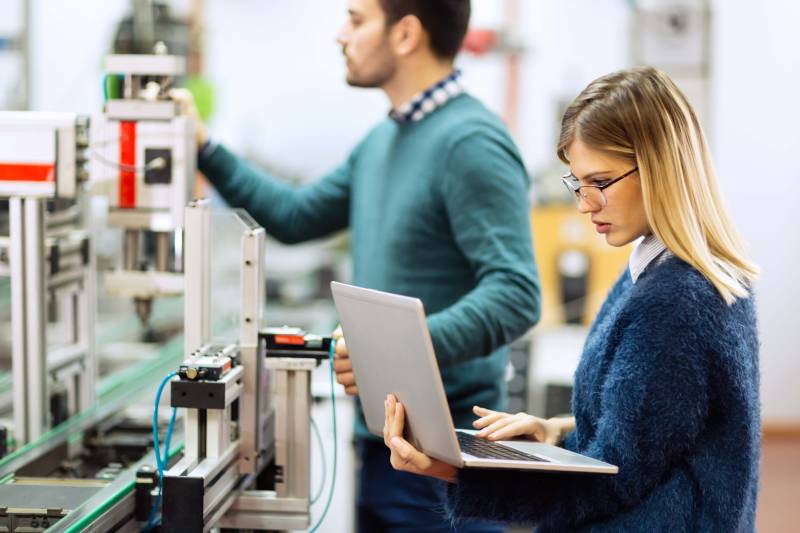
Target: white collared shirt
{"type": "Point", "coordinates": [643, 254]}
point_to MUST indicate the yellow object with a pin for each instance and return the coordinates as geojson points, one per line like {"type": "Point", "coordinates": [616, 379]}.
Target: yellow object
{"type": "Point", "coordinates": [559, 228]}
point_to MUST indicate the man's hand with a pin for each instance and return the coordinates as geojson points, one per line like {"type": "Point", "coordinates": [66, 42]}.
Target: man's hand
{"type": "Point", "coordinates": [495, 425]}
{"type": "Point", "coordinates": [342, 365]}
{"type": "Point", "coordinates": [186, 102]}
{"type": "Point", "coordinates": [404, 456]}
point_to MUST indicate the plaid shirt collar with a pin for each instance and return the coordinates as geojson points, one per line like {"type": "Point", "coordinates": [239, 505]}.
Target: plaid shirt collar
{"type": "Point", "coordinates": [429, 100]}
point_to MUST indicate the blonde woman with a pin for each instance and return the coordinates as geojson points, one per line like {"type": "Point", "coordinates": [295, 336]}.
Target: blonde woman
{"type": "Point", "coordinates": [667, 386]}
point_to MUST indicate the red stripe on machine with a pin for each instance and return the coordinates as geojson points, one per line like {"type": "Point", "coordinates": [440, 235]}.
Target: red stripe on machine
{"type": "Point", "coordinates": [127, 160]}
{"type": "Point", "coordinates": [27, 172]}
{"type": "Point", "coordinates": [294, 340]}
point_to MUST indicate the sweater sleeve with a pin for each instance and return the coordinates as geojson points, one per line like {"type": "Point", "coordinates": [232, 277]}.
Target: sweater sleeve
{"type": "Point", "coordinates": [290, 214]}
{"type": "Point", "coordinates": [486, 198]}
{"type": "Point", "coordinates": [653, 405]}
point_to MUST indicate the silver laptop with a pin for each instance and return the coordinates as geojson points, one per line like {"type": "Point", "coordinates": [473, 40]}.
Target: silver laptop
{"type": "Point", "coordinates": [391, 351]}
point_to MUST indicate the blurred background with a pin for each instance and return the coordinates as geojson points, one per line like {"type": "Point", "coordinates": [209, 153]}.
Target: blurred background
{"type": "Point", "coordinates": [268, 77]}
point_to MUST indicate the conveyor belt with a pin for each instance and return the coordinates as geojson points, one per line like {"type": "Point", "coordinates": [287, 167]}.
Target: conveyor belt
{"type": "Point", "coordinates": [114, 394]}
{"type": "Point", "coordinates": [129, 327]}
{"type": "Point", "coordinates": [46, 495]}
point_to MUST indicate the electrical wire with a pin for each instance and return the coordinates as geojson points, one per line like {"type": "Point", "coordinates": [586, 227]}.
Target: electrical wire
{"type": "Point", "coordinates": [335, 446]}
{"type": "Point", "coordinates": [161, 462]}
{"type": "Point", "coordinates": [324, 465]}
{"type": "Point", "coordinates": [156, 164]}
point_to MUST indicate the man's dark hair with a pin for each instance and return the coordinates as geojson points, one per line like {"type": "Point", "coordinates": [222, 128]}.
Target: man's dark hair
{"type": "Point", "coordinates": [445, 21]}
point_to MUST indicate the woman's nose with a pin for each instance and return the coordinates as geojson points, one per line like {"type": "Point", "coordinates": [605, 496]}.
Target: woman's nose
{"type": "Point", "coordinates": [584, 206]}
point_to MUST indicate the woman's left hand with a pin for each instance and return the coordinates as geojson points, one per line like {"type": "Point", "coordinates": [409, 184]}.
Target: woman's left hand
{"type": "Point", "coordinates": [404, 456]}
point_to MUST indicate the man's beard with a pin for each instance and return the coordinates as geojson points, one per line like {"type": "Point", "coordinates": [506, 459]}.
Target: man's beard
{"type": "Point", "coordinates": [383, 70]}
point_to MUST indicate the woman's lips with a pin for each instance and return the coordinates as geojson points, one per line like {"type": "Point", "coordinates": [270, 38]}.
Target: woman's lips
{"type": "Point", "coordinates": [602, 227]}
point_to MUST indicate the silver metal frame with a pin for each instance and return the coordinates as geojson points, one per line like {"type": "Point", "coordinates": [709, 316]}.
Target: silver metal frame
{"type": "Point", "coordinates": [228, 469]}
{"type": "Point", "coordinates": [27, 318]}
{"type": "Point", "coordinates": [33, 234]}
{"type": "Point", "coordinates": [255, 408]}
{"type": "Point", "coordinates": [33, 363]}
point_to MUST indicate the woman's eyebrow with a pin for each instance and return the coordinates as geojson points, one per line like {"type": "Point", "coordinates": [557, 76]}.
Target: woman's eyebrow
{"type": "Point", "coordinates": [593, 174]}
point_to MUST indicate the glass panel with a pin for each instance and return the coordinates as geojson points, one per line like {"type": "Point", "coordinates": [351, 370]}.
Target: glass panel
{"type": "Point", "coordinates": [226, 230]}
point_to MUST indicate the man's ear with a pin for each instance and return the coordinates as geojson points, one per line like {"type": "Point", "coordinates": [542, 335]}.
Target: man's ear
{"type": "Point", "coordinates": [407, 35]}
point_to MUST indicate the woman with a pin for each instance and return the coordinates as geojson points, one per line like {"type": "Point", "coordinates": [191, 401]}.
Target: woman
{"type": "Point", "coordinates": [667, 385]}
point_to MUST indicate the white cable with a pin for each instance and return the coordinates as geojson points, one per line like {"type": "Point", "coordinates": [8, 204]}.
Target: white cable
{"type": "Point", "coordinates": [156, 164]}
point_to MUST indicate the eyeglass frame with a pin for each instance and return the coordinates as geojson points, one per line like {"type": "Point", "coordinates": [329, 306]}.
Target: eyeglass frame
{"type": "Point", "coordinates": [577, 191]}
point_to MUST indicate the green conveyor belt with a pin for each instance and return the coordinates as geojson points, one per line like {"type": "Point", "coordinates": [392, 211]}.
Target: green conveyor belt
{"type": "Point", "coordinates": [124, 328]}
{"type": "Point", "coordinates": [117, 389]}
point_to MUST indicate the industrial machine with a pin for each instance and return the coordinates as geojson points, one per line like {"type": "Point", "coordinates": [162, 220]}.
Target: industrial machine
{"type": "Point", "coordinates": [246, 456]}
{"type": "Point", "coordinates": [77, 454]}
{"type": "Point", "coordinates": [241, 459]}
{"type": "Point", "coordinates": [144, 160]}
{"type": "Point", "coordinates": [47, 254]}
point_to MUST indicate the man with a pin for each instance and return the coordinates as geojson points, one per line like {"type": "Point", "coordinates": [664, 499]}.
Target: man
{"type": "Point", "coordinates": [436, 199]}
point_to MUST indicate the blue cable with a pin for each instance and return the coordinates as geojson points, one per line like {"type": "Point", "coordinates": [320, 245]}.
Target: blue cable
{"type": "Point", "coordinates": [161, 463]}
{"type": "Point", "coordinates": [335, 447]}
{"type": "Point", "coordinates": [324, 465]}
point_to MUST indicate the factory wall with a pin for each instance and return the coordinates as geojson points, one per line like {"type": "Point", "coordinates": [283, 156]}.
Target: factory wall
{"type": "Point", "coordinates": [280, 98]}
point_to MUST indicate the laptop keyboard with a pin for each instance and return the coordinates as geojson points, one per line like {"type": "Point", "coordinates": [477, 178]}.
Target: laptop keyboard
{"type": "Point", "coordinates": [485, 449]}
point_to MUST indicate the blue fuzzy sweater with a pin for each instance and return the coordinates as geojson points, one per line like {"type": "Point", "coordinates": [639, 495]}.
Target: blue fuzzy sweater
{"type": "Point", "coordinates": [667, 389]}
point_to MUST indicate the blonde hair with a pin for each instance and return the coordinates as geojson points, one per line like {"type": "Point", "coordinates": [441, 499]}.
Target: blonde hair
{"type": "Point", "coordinates": [641, 115]}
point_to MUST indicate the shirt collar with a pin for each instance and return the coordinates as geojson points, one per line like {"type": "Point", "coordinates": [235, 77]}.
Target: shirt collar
{"type": "Point", "coordinates": [426, 102]}
{"type": "Point", "coordinates": [643, 254]}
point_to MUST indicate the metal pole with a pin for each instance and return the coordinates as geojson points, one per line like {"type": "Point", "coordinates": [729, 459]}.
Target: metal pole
{"type": "Point", "coordinates": [18, 333]}
{"type": "Point", "coordinates": [197, 278]}
{"type": "Point", "coordinates": [254, 406]}
{"type": "Point", "coordinates": [36, 356]}
{"type": "Point", "coordinates": [131, 250]}
{"type": "Point", "coordinates": [87, 314]}
{"type": "Point", "coordinates": [163, 251]}
{"type": "Point", "coordinates": [196, 330]}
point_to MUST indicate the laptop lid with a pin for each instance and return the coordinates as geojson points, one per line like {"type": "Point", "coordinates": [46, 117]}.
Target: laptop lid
{"type": "Point", "coordinates": [391, 351]}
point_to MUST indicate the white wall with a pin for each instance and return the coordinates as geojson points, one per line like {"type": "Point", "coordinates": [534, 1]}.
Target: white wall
{"type": "Point", "coordinates": [69, 43]}
{"type": "Point", "coordinates": [281, 97]}
{"type": "Point", "coordinates": [279, 80]}
{"type": "Point", "coordinates": [756, 80]}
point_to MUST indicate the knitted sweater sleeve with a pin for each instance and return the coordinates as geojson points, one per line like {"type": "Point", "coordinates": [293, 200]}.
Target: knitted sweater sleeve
{"type": "Point", "coordinates": [290, 214]}
{"type": "Point", "coordinates": [486, 198]}
{"type": "Point", "coordinates": [653, 405]}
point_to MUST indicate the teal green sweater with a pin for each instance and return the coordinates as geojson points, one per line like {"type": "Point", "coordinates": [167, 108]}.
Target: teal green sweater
{"type": "Point", "coordinates": [438, 210]}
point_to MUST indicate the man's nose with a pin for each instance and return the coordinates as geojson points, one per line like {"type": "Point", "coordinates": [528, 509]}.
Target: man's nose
{"type": "Point", "coordinates": [342, 36]}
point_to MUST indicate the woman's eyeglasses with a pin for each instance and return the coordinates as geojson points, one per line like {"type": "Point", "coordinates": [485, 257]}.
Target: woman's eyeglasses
{"type": "Point", "coordinates": [591, 194]}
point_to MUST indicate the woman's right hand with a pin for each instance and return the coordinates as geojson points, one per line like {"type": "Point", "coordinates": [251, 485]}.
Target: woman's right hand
{"type": "Point", "coordinates": [496, 425]}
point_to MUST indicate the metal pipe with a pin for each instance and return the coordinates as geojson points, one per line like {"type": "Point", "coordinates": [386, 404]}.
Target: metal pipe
{"type": "Point", "coordinates": [163, 252]}
{"type": "Point", "coordinates": [128, 89]}
{"type": "Point", "coordinates": [18, 304]}
{"type": "Point", "coordinates": [35, 359]}
{"type": "Point", "coordinates": [131, 249]}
